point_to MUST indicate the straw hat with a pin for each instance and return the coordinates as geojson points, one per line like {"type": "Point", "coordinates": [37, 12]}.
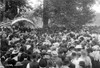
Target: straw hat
{"type": "Point", "coordinates": [78, 46]}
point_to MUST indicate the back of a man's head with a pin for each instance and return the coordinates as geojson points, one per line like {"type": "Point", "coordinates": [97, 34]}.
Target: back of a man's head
{"type": "Point", "coordinates": [33, 56]}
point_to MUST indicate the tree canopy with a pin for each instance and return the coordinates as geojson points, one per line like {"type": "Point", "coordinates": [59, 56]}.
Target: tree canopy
{"type": "Point", "coordinates": [70, 13]}
{"type": "Point", "coordinates": [12, 6]}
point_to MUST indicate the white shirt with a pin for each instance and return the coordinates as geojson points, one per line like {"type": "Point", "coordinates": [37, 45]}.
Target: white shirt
{"type": "Point", "coordinates": [1, 66]}
{"type": "Point", "coordinates": [87, 60]}
{"type": "Point", "coordinates": [95, 55]}
{"type": "Point", "coordinates": [76, 62]}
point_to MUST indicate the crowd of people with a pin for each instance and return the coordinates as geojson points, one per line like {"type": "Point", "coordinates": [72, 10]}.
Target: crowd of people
{"type": "Point", "coordinates": [62, 49]}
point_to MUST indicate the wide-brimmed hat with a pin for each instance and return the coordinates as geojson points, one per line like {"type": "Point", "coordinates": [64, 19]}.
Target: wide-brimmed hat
{"type": "Point", "coordinates": [54, 53]}
{"type": "Point", "coordinates": [96, 47]}
{"type": "Point", "coordinates": [15, 52]}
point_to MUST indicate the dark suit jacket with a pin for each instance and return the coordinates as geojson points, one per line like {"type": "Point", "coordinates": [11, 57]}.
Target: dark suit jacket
{"type": "Point", "coordinates": [25, 62]}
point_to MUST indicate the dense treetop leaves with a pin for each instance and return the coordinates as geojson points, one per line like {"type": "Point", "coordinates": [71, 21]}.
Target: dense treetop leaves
{"type": "Point", "coordinates": [71, 13]}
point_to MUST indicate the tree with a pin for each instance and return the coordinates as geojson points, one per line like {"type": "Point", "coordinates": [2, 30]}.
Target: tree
{"type": "Point", "coordinates": [38, 12]}
{"type": "Point", "coordinates": [45, 13]}
{"type": "Point", "coordinates": [70, 13]}
{"type": "Point", "coordinates": [1, 10]}
{"type": "Point", "coordinates": [12, 7]}
{"type": "Point", "coordinates": [84, 13]}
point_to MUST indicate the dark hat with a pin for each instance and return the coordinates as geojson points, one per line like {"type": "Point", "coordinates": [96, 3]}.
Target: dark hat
{"type": "Point", "coordinates": [82, 63]}
{"type": "Point", "coordinates": [43, 62]}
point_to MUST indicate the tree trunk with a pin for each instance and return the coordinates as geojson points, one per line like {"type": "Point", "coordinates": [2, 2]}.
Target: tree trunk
{"type": "Point", "coordinates": [45, 18]}
{"type": "Point", "coordinates": [1, 16]}
{"type": "Point", "coordinates": [45, 14]}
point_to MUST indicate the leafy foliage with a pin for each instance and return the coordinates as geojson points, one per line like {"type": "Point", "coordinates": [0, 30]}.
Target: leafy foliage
{"type": "Point", "coordinates": [11, 9]}
{"type": "Point", "coordinates": [38, 12]}
{"type": "Point", "coordinates": [70, 13]}
{"type": "Point", "coordinates": [1, 10]}
{"type": "Point", "coordinates": [18, 2]}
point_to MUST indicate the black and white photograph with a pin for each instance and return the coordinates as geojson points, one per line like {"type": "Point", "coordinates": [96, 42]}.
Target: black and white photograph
{"type": "Point", "coordinates": [49, 33]}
